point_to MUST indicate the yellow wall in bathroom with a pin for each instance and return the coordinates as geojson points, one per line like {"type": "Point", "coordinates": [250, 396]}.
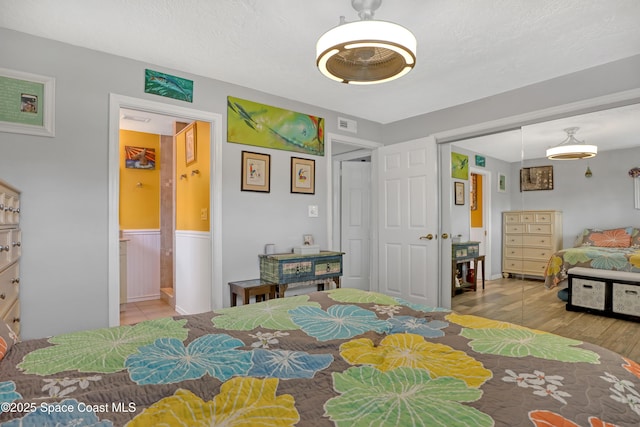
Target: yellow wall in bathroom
{"type": "Point", "coordinates": [192, 189]}
{"type": "Point", "coordinates": [476, 215]}
{"type": "Point", "coordinates": [139, 188]}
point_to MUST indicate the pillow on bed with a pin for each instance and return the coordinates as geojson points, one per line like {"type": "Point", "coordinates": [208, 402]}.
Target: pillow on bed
{"type": "Point", "coordinates": [7, 339]}
{"type": "Point", "coordinates": [612, 238]}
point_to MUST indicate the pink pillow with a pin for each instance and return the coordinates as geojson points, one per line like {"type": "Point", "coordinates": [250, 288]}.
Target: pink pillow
{"type": "Point", "coordinates": [614, 238]}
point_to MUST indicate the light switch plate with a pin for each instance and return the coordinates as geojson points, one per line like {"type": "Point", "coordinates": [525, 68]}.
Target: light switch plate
{"type": "Point", "coordinates": [313, 211]}
{"type": "Point", "coordinates": [203, 214]}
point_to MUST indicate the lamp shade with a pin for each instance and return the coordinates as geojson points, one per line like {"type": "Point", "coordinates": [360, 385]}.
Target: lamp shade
{"type": "Point", "coordinates": [571, 148]}
{"type": "Point", "coordinates": [366, 52]}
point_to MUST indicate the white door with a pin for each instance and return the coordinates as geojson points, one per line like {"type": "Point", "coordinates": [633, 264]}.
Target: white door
{"type": "Point", "coordinates": [408, 221]}
{"type": "Point", "coordinates": [356, 219]}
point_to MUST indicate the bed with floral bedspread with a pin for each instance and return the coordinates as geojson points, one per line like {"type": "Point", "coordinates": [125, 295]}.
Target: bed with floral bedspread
{"type": "Point", "coordinates": [615, 249]}
{"type": "Point", "coordinates": [342, 357]}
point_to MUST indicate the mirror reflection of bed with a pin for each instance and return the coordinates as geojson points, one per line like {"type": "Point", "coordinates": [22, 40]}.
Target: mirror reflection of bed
{"type": "Point", "coordinates": [596, 198]}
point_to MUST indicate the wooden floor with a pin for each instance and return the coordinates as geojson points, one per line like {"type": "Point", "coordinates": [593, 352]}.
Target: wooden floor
{"type": "Point", "coordinates": [135, 312]}
{"type": "Point", "coordinates": [542, 309]}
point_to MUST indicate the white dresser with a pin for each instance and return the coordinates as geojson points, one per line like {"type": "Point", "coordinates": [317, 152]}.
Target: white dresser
{"type": "Point", "coordinates": [529, 238]}
{"type": "Point", "coordinates": [10, 251]}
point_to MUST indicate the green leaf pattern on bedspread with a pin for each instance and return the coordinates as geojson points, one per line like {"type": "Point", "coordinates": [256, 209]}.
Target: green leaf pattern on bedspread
{"type": "Point", "coordinates": [521, 343]}
{"type": "Point", "coordinates": [272, 314]}
{"type": "Point", "coordinates": [99, 350]}
{"type": "Point", "coordinates": [342, 357]}
{"type": "Point", "coordinates": [402, 397]}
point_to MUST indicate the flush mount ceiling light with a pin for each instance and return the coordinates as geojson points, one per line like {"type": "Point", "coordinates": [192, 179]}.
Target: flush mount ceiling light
{"type": "Point", "coordinates": [366, 51]}
{"type": "Point", "coordinates": [571, 148]}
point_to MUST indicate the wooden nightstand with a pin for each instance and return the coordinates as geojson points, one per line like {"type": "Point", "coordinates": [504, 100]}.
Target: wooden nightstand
{"type": "Point", "coordinates": [251, 288]}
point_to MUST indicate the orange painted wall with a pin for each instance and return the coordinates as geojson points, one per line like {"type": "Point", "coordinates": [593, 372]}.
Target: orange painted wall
{"type": "Point", "coordinates": [192, 189]}
{"type": "Point", "coordinates": [139, 204]}
{"type": "Point", "coordinates": [476, 215]}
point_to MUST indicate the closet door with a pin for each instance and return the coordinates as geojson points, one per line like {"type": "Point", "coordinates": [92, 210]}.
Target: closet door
{"type": "Point", "coordinates": [408, 221]}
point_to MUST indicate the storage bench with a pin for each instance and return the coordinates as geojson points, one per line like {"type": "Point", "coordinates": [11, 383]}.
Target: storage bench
{"type": "Point", "coordinates": [605, 292]}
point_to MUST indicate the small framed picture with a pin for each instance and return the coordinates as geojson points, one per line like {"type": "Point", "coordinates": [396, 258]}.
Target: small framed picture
{"type": "Point", "coordinates": [303, 173]}
{"type": "Point", "coordinates": [255, 172]}
{"type": "Point", "coordinates": [502, 183]}
{"type": "Point", "coordinates": [459, 193]}
{"type": "Point", "coordinates": [307, 239]}
{"type": "Point", "coordinates": [190, 148]}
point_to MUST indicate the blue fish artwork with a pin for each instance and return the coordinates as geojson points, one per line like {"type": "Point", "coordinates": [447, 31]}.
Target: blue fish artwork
{"type": "Point", "coordinates": [167, 85]}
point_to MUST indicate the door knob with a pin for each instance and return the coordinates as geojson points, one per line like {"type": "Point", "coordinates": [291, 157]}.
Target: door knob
{"type": "Point", "coordinates": [428, 237]}
{"type": "Point", "coordinates": [445, 236]}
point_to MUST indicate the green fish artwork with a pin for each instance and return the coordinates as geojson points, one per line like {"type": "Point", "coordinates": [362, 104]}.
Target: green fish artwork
{"type": "Point", "coordinates": [459, 166]}
{"type": "Point", "coordinates": [262, 125]}
{"type": "Point", "coordinates": [167, 85]}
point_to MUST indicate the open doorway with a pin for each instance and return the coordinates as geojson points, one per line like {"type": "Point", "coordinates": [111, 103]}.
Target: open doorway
{"type": "Point", "coordinates": [147, 214]}
{"type": "Point", "coordinates": [205, 269]}
{"type": "Point", "coordinates": [350, 206]}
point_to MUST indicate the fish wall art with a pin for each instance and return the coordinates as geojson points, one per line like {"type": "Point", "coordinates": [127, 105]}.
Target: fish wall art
{"type": "Point", "coordinates": [167, 85]}
{"type": "Point", "coordinates": [262, 125]}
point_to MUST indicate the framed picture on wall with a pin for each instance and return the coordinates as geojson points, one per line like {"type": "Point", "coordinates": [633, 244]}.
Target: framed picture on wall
{"type": "Point", "coordinates": [502, 183]}
{"type": "Point", "coordinates": [303, 175]}
{"type": "Point", "coordinates": [536, 178]}
{"type": "Point", "coordinates": [190, 149]}
{"type": "Point", "coordinates": [256, 172]}
{"type": "Point", "coordinates": [459, 193]}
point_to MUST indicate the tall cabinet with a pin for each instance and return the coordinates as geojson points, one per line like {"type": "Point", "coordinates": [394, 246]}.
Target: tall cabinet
{"type": "Point", "coordinates": [10, 251]}
{"type": "Point", "coordinates": [529, 238]}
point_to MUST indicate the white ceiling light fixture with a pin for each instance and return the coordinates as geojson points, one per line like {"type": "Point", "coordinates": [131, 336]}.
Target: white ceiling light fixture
{"type": "Point", "coordinates": [571, 148]}
{"type": "Point", "coordinates": [366, 51]}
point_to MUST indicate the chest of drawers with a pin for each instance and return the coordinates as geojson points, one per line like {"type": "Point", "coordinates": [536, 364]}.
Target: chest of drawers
{"type": "Point", "coordinates": [529, 238]}
{"type": "Point", "coordinates": [10, 252]}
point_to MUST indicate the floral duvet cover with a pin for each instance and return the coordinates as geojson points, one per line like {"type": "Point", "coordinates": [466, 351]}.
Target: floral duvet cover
{"type": "Point", "coordinates": [620, 259]}
{"type": "Point", "coordinates": [341, 357]}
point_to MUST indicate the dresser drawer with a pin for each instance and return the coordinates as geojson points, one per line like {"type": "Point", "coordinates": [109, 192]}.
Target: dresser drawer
{"type": "Point", "coordinates": [528, 253]}
{"type": "Point", "coordinates": [512, 218]}
{"type": "Point", "coordinates": [542, 217]}
{"type": "Point", "coordinates": [515, 228]}
{"type": "Point", "coordinates": [328, 266]}
{"type": "Point", "coordinates": [539, 228]}
{"type": "Point", "coordinates": [12, 317]}
{"type": "Point", "coordinates": [9, 287]}
{"type": "Point", "coordinates": [539, 241]}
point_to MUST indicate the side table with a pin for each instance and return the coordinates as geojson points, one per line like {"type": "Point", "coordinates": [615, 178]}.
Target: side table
{"type": "Point", "coordinates": [251, 288]}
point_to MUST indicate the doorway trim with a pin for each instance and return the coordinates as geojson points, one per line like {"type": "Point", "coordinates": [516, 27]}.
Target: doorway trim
{"type": "Point", "coordinates": [487, 186]}
{"type": "Point", "coordinates": [331, 214]}
{"type": "Point", "coordinates": [116, 102]}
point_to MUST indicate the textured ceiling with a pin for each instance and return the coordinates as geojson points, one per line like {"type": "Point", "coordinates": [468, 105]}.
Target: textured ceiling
{"type": "Point", "coordinates": [467, 49]}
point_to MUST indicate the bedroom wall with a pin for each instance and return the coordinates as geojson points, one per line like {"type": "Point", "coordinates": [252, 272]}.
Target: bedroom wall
{"type": "Point", "coordinates": [65, 184]}
{"type": "Point", "coordinates": [606, 200]}
{"type": "Point", "coordinates": [64, 181]}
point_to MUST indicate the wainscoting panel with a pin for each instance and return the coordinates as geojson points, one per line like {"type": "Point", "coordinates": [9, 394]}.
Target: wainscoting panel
{"type": "Point", "coordinates": [143, 264]}
{"type": "Point", "coordinates": [193, 272]}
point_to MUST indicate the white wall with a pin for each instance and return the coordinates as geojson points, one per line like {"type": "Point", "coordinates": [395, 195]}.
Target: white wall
{"type": "Point", "coordinates": [64, 183]}
{"type": "Point", "coordinates": [64, 179]}
{"type": "Point", "coordinates": [606, 200]}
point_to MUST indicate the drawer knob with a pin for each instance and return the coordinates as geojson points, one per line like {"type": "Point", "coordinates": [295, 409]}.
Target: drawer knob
{"type": "Point", "coordinates": [3, 296]}
{"type": "Point", "coordinates": [16, 280]}
{"type": "Point", "coordinates": [16, 320]}
{"type": "Point", "coordinates": [328, 267]}
{"type": "Point", "coordinates": [16, 244]}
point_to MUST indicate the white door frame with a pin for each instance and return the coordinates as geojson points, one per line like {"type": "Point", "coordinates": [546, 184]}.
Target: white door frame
{"type": "Point", "coordinates": [332, 213]}
{"type": "Point", "coordinates": [486, 216]}
{"type": "Point", "coordinates": [116, 102]}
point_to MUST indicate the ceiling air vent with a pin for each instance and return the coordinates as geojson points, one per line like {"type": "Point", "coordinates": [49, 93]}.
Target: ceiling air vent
{"type": "Point", "coordinates": [347, 125]}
